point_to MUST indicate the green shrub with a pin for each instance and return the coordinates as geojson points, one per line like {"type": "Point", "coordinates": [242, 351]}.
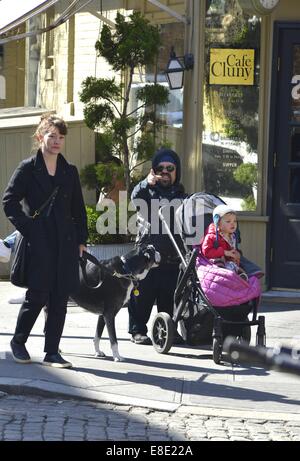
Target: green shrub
{"type": "Point", "coordinates": [246, 174]}
{"type": "Point", "coordinates": [132, 45]}
{"type": "Point", "coordinates": [248, 203]}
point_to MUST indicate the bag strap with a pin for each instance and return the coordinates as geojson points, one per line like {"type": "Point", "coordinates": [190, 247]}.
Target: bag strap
{"type": "Point", "coordinates": [51, 199]}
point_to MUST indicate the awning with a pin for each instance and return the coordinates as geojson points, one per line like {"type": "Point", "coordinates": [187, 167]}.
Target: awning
{"type": "Point", "coordinates": [12, 15]}
{"type": "Point", "coordinates": [169, 10]}
{"type": "Point", "coordinates": [13, 12]}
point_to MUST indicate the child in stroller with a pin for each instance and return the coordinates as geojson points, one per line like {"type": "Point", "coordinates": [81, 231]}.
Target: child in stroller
{"type": "Point", "coordinates": [207, 310]}
{"type": "Point", "coordinates": [219, 244]}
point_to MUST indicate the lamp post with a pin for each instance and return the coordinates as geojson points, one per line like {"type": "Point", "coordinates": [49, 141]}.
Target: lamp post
{"type": "Point", "coordinates": [176, 67]}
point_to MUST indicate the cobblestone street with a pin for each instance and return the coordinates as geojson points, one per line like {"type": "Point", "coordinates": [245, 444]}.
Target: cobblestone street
{"type": "Point", "coordinates": [182, 396]}
{"type": "Point", "coordinates": [24, 418]}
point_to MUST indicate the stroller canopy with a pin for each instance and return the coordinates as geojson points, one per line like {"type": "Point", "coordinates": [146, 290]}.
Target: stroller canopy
{"type": "Point", "coordinates": [194, 215]}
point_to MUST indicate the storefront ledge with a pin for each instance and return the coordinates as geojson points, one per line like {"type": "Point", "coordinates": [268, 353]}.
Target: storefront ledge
{"type": "Point", "coordinates": [22, 111]}
{"type": "Point", "coordinates": [20, 116]}
{"type": "Point", "coordinates": [281, 296]}
{"type": "Point", "coordinates": [253, 218]}
{"type": "Point", "coordinates": [104, 252]}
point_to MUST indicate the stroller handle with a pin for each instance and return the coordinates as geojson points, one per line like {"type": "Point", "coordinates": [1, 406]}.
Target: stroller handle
{"type": "Point", "coordinates": [162, 218]}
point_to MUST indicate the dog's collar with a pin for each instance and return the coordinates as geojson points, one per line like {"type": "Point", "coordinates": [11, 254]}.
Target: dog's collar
{"type": "Point", "coordinates": [124, 276]}
{"type": "Point", "coordinates": [127, 274]}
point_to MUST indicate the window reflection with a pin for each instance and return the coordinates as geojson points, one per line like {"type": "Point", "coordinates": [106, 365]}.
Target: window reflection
{"type": "Point", "coordinates": [230, 132]}
{"type": "Point", "coordinates": [170, 117]}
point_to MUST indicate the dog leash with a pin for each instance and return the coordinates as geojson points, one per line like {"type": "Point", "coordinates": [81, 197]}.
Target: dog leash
{"type": "Point", "coordinates": [88, 257]}
{"type": "Point", "coordinates": [83, 261]}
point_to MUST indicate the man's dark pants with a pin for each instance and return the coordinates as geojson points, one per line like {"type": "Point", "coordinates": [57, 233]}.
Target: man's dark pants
{"type": "Point", "coordinates": [158, 287]}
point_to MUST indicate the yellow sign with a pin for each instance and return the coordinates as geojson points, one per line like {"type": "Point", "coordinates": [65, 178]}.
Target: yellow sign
{"type": "Point", "coordinates": [231, 66]}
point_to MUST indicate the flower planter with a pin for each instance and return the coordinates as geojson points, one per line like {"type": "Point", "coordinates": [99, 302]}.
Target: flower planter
{"type": "Point", "coordinates": [110, 250]}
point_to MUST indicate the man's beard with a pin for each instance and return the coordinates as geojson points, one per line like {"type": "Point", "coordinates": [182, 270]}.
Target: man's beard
{"type": "Point", "coordinates": [166, 180]}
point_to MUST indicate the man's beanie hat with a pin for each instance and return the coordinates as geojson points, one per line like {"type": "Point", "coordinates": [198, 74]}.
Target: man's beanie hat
{"type": "Point", "coordinates": [167, 155]}
{"type": "Point", "coordinates": [167, 158]}
{"type": "Point", "coordinates": [218, 213]}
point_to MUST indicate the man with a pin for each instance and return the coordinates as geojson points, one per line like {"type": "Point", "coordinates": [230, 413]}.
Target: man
{"type": "Point", "coordinates": [162, 183]}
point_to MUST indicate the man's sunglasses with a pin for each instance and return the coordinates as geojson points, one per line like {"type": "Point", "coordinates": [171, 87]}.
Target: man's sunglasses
{"type": "Point", "coordinates": [168, 168]}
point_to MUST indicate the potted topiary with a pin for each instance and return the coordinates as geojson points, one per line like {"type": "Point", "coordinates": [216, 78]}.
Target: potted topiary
{"type": "Point", "coordinates": [124, 132]}
{"type": "Point", "coordinates": [126, 135]}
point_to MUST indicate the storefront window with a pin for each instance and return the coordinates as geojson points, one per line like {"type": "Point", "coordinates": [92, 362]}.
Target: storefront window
{"type": "Point", "coordinates": [33, 62]}
{"type": "Point", "coordinates": [170, 117]}
{"type": "Point", "coordinates": [231, 99]}
{"type": "Point", "coordinates": [294, 160]}
{"type": "Point", "coordinates": [172, 35]}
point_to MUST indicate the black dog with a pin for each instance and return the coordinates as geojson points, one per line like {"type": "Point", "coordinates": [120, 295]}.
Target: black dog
{"type": "Point", "coordinates": [106, 286]}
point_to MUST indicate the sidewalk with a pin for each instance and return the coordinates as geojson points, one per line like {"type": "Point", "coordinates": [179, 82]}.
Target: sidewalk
{"type": "Point", "coordinates": [185, 380]}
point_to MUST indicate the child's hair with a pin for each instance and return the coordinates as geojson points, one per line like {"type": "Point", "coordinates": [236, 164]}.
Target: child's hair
{"type": "Point", "coordinates": [48, 121]}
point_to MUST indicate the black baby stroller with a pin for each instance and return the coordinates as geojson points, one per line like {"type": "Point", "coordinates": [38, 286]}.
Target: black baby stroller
{"type": "Point", "coordinates": [201, 322]}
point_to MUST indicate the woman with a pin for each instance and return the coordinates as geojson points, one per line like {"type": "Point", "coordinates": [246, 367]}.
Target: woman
{"type": "Point", "coordinates": [56, 237]}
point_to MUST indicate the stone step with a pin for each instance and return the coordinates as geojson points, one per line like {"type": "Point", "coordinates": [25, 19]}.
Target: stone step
{"type": "Point", "coordinates": [281, 296]}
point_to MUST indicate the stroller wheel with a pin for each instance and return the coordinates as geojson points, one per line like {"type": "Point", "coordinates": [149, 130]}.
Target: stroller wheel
{"type": "Point", "coordinates": [217, 350]}
{"type": "Point", "coordinates": [163, 333]}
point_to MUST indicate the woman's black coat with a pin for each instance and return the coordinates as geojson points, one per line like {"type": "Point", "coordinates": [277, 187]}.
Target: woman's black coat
{"type": "Point", "coordinates": [54, 240]}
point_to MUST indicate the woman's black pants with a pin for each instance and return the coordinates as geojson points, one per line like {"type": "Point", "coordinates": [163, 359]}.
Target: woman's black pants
{"type": "Point", "coordinates": [56, 313]}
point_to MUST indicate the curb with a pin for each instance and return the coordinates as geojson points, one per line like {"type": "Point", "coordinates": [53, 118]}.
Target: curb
{"type": "Point", "coordinates": [50, 390]}
{"type": "Point", "coordinates": [237, 414]}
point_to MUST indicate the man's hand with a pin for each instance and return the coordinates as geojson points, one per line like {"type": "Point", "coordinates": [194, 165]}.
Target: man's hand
{"type": "Point", "coordinates": [152, 178]}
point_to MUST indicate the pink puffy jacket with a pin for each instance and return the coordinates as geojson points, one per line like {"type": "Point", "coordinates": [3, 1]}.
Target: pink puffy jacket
{"type": "Point", "coordinates": [224, 287]}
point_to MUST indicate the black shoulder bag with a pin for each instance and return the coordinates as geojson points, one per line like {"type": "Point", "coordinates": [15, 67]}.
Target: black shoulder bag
{"type": "Point", "coordinates": [18, 271]}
